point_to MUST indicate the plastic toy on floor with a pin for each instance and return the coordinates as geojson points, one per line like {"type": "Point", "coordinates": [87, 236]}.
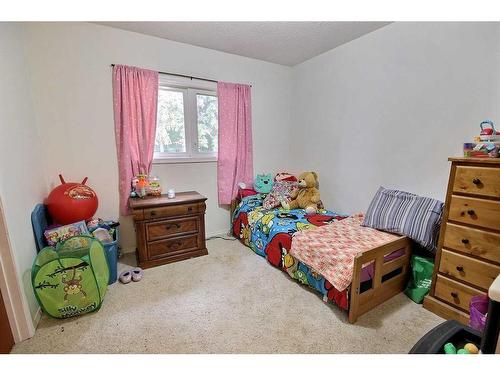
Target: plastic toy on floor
{"type": "Point", "coordinates": [450, 335]}
{"type": "Point", "coordinates": [469, 348]}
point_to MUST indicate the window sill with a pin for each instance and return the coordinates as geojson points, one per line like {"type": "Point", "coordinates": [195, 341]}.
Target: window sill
{"type": "Point", "coordinates": [184, 160]}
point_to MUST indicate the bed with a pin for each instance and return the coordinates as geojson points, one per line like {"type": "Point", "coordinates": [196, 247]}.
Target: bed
{"type": "Point", "coordinates": [378, 273]}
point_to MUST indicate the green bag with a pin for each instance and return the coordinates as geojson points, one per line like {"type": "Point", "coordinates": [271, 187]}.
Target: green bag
{"type": "Point", "coordinates": [421, 278]}
{"type": "Point", "coordinates": [71, 279]}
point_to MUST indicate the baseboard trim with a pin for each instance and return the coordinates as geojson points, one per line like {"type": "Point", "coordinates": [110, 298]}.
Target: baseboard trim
{"type": "Point", "coordinates": [127, 250]}
{"type": "Point", "coordinates": [37, 317]}
{"type": "Point", "coordinates": [222, 232]}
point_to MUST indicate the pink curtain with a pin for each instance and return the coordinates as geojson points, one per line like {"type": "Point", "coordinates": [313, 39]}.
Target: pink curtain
{"type": "Point", "coordinates": [135, 97]}
{"type": "Point", "coordinates": [235, 159]}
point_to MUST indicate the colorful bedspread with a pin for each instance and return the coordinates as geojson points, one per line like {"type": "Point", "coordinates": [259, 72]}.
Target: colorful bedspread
{"type": "Point", "coordinates": [269, 234]}
{"type": "Point", "coordinates": [331, 250]}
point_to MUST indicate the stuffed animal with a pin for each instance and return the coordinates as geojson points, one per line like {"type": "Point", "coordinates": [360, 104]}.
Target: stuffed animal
{"type": "Point", "coordinates": [307, 196]}
{"type": "Point", "coordinates": [263, 183]}
{"type": "Point", "coordinates": [285, 176]}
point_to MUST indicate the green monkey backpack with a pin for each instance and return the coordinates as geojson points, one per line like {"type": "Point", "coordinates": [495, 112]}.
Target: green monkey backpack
{"type": "Point", "coordinates": [72, 278]}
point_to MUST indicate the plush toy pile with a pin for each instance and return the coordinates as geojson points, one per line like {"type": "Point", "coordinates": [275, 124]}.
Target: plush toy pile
{"type": "Point", "coordinates": [287, 191]}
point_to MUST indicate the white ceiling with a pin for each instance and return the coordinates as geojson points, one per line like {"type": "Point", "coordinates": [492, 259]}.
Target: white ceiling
{"type": "Point", "coordinates": [286, 43]}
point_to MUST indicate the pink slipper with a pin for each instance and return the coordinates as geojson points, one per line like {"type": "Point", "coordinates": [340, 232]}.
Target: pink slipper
{"type": "Point", "coordinates": [137, 273]}
{"type": "Point", "coordinates": [125, 277]}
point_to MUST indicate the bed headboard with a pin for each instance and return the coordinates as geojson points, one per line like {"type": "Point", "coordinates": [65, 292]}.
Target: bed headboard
{"type": "Point", "coordinates": [234, 203]}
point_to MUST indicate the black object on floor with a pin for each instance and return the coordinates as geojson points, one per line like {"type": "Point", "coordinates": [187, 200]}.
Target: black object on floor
{"type": "Point", "coordinates": [450, 331]}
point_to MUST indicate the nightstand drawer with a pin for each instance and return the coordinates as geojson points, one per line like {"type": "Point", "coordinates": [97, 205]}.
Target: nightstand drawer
{"type": "Point", "coordinates": [481, 212]}
{"type": "Point", "coordinates": [168, 228]}
{"type": "Point", "coordinates": [472, 241]}
{"type": "Point", "coordinates": [174, 210]}
{"type": "Point", "coordinates": [159, 249]}
{"type": "Point", "coordinates": [475, 272]}
{"type": "Point", "coordinates": [477, 180]}
{"type": "Point", "coordinates": [455, 293]}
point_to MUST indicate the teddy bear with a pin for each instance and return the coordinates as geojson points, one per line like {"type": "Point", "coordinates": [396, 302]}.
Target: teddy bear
{"type": "Point", "coordinates": [307, 195]}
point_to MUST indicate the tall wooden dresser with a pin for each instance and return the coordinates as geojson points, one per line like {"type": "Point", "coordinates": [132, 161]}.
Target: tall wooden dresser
{"type": "Point", "coordinates": [468, 257]}
{"type": "Point", "coordinates": [169, 229]}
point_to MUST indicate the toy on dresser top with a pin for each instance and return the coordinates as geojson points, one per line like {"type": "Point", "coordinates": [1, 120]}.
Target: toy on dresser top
{"type": "Point", "coordinates": [486, 144]}
{"type": "Point", "coordinates": [143, 185]}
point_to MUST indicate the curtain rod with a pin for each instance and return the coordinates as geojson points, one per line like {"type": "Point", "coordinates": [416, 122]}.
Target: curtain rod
{"type": "Point", "coordinates": [185, 76]}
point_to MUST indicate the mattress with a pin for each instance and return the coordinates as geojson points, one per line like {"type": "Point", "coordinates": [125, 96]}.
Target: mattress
{"type": "Point", "coordinates": [269, 234]}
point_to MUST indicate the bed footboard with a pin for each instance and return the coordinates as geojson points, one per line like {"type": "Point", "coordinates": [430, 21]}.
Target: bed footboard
{"type": "Point", "coordinates": [389, 278]}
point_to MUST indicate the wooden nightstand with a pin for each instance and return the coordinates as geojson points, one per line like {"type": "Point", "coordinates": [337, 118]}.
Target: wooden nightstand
{"type": "Point", "coordinates": [169, 230]}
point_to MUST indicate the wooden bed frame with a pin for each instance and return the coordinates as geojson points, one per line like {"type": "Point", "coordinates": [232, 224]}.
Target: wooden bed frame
{"type": "Point", "coordinates": [381, 289]}
{"type": "Point", "coordinates": [384, 285]}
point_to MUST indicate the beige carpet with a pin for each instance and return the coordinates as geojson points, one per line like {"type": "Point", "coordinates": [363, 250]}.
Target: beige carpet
{"type": "Point", "coordinates": [230, 301]}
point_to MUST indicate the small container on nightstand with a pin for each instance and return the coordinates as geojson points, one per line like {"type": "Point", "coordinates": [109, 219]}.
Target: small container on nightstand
{"type": "Point", "coordinates": [169, 229]}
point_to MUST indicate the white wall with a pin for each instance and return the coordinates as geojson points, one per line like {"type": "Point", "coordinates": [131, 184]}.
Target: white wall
{"type": "Point", "coordinates": [71, 77]}
{"type": "Point", "coordinates": [390, 107]}
{"type": "Point", "coordinates": [22, 182]}
{"type": "Point", "coordinates": [385, 109]}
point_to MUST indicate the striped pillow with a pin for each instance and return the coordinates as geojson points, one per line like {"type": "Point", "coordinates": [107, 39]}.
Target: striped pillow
{"type": "Point", "coordinates": [396, 211]}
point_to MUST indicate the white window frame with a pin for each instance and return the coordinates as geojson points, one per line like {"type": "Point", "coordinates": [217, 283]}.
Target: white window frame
{"type": "Point", "coordinates": [189, 88]}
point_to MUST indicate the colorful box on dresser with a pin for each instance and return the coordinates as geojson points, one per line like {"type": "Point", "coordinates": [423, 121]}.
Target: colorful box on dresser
{"type": "Point", "coordinates": [468, 257]}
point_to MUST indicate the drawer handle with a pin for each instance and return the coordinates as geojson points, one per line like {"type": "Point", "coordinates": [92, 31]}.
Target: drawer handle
{"type": "Point", "coordinates": [153, 213]}
{"type": "Point", "coordinates": [476, 181]}
{"type": "Point", "coordinates": [169, 226]}
{"type": "Point", "coordinates": [175, 245]}
{"type": "Point", "coordinates": [465, 241]}
{"type": "Point", "coordinates": [460, 269]}
{"type": "Point", "coordinates": [190, 208]}
{"type": "Point", "coordinates": [454, 295]}
{"type": "Point", "coordinates": [471, 212]}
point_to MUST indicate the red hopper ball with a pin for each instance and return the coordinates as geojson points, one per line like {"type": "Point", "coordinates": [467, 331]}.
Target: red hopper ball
{"type": "Point", "coordinates": [71, 202]}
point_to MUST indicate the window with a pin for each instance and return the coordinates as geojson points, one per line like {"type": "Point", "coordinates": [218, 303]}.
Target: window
{"type": "Point", "coordinates": [186, 128]}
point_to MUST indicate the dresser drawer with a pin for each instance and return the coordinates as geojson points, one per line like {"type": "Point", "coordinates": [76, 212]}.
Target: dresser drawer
{"type": "Point", "coordinates": [455, 293]}
{"type": "Point", "coordinates": [477, 180]}
{"type": "Point", "coordinates": [174, 210]}
{"type": "Point", "coordinates": [163, 248]}
{"type": "Point", "coordinates": [473, 241]}
{"type": "Point", "coordinates": [481, 212]}
{"type": "Point", "coordinates": [475, 272]}
{"type": "Point", "coordinates": [167, 228]}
